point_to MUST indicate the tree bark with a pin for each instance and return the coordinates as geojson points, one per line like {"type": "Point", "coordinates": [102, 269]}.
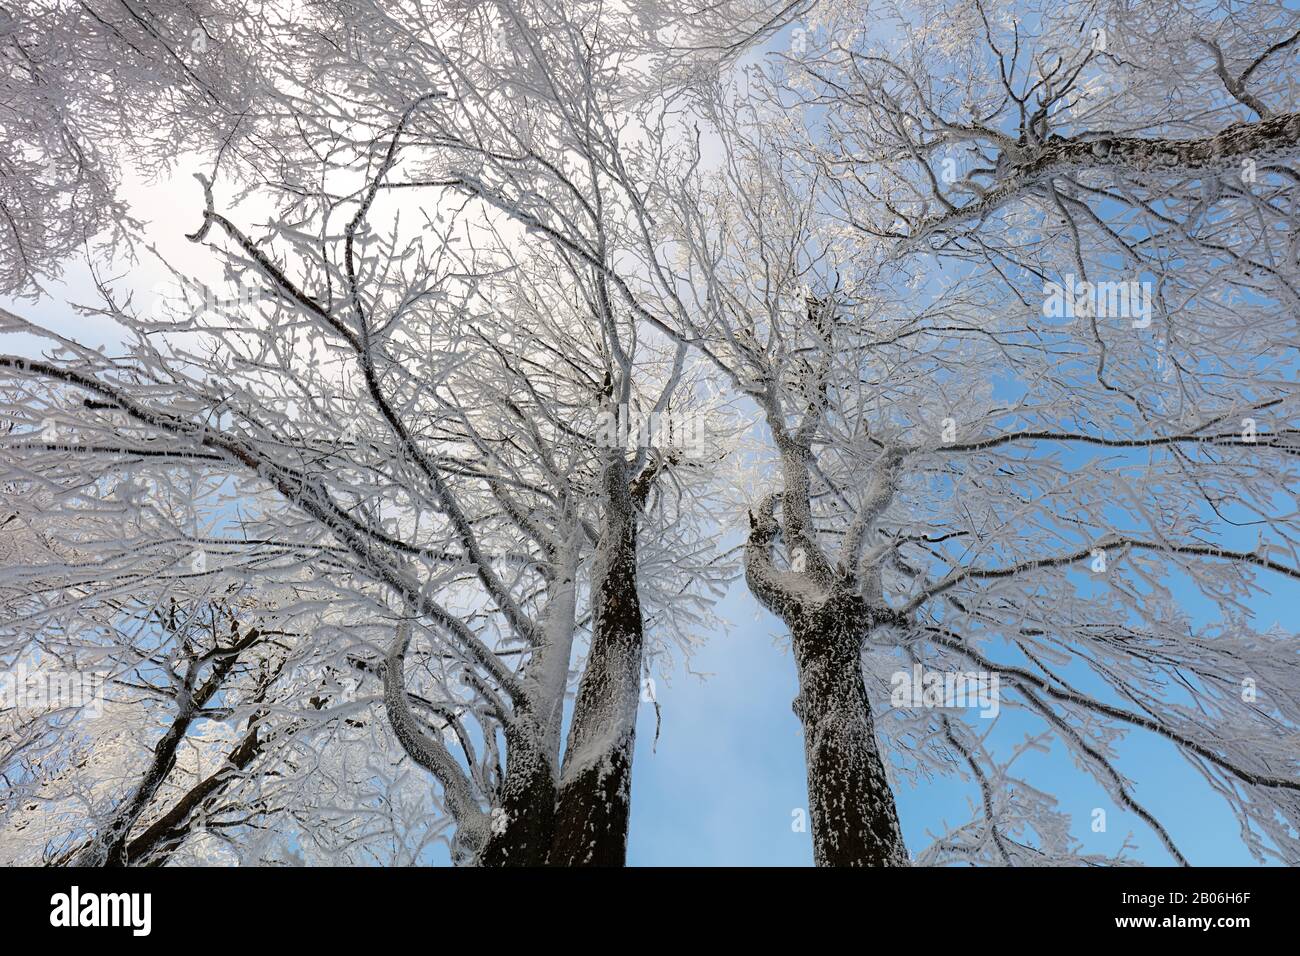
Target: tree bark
{"type": "Point", "coordinates": [596, 784]}
{"type": "Point", "coordinates": [522, 834]}
{"type": "Point", "coordinates": [854, 820]}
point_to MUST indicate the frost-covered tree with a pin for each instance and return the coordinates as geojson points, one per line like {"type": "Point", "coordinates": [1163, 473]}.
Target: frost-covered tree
{"type": "Point", "coordinates": [153, 709]}
{"type": "Point", "coordinates": [509, 518]}
{"type": "Point", "coordinates": [1008, 287]}
{"type": "Point", "coordinates": [420, 413]}
{"type": "Point", "coordinates": [96, 94]}
{"type": "Point", "coordinates": [1015, 306]}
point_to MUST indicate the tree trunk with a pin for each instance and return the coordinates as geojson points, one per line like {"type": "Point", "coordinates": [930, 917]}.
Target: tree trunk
{"type": "Point", "coordinates": [522, 833]}
{"type": "Point", "coordinates": [596, 784]}
{"type": "Point", "coordinates": [594, 809]}
{"type": "Point", "coordinates": [854, 821]}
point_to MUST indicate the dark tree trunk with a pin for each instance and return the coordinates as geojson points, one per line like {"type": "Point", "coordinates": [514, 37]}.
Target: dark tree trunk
{"type": "Point", "coordinates": [594, 810]}
{"type": "Point", "coordinates": [854, 820]}
{"type": "Point", "coordinates": [596, 785]}
{"type": "Point", "coordinates": [524, 833]}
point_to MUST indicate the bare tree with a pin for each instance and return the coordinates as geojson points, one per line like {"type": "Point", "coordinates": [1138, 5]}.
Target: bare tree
{"type": "Point", "coordinates": [976, 480]}
{"type": "Point", "coordinates": [1009, 289]}
{"type": "Point", "coordinates": [341, 380]}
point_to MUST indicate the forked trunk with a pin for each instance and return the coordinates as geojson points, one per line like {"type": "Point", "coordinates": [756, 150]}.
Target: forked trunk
{"type": "Point", "coordinates": [161, 838]}
{"type": "Point", "coordinates": [110, 847]}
